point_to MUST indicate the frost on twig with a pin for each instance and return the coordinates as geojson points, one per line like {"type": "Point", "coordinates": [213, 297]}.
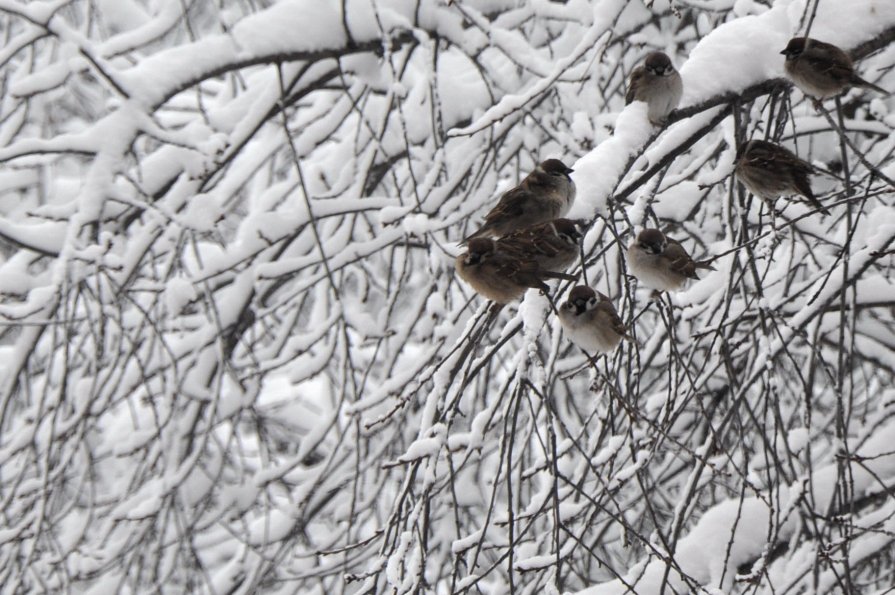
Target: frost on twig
{"type": "Point", "coordinates": [235, 357]}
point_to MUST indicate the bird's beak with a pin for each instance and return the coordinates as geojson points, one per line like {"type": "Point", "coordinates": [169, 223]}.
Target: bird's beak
{"type": "Point", "coordinates": [569, 170]}
{"type": "Point", "coordinates": [783, 52]}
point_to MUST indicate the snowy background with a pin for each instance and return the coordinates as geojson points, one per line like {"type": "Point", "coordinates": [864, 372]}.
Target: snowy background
{"type": "Point", "coordinates": [235, 357]}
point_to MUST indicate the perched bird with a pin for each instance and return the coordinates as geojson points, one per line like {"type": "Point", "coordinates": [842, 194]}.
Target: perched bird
{"type": "Point", "coordinates": [821, 69]}
{"type": "Point", "coordinates": [660, 262]}
{"type": "Point", "coordinates": [545, 194]}
{"type": "Point", "coordinates": [501, 276]}
{"type": "Point", "coordinates": [658, 84]}
{"type": "Point", "coordinates": [553, 245]}
{"type": "Point", "coordinates": [770, 171]}
{"type": "Point", "coordinates": [591, 322]}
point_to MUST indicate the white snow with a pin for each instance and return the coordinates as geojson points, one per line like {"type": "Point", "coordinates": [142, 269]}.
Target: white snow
{"type": "Point", "coordinates": [232, 339]}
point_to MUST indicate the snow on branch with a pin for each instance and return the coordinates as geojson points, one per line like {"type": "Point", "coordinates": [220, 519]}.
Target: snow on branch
{"type": "Point", "coordinates": [236, 356]}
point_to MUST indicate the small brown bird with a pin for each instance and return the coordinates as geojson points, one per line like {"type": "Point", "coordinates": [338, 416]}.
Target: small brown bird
{"type": "Point", "coordinates": [821, 69]}
{"type": "Point", "coordinates": [658, 84]}
{"type": "Point", "coordinates": [553, 245]}
{"type": "Point", "coordinates": [591, 321]}
{"type": "Point", "coordinates": [500, 276]}
{"type": "Point", "coordinates": [660, 262]}
{"type": "Point", "coordinates": [769, 171]}
{"type": "Point", "coordinates": [545, 194]}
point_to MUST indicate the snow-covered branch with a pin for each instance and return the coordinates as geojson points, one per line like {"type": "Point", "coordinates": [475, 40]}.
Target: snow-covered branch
{"type": "Point", "coordinates": [236, 357]}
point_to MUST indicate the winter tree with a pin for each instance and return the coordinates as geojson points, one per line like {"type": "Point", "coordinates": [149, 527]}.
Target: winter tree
{"type": "Point", "coordinates": [236, 358]}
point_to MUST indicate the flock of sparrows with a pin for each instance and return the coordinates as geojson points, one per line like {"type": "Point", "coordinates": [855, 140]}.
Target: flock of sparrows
{"type": "Point", "coordinates": [525, 240]}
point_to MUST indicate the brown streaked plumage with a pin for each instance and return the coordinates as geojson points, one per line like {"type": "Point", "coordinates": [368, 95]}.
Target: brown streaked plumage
{"type": "Point", "coordinates": [545, 194]}
{"type": "Point", "coordinates": [591, 321]}
{"type": "Point", "coordinates": [661, 262]}
{"type": "Point", "coordinates": [657, 83]}
{"type": "Point", "coordinates": [770, 171]}
{"type": "Point", "coordinates": [500, 276]}
{"type": "Point", "coordinates": [821, 69]}
{"type": "Point", "coordinates": [553, 245]}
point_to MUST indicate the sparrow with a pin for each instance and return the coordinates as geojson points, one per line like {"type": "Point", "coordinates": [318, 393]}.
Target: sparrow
{"type": "Point", "coordinates": [821, 69]}
{"type": "Point", "coordinates": [501, 276]}
{"type": "Point", "coordinates": [545, 194]}
{"type": "Point", "coordinates": [660, 262]}
{"type": "Point", "coordinates": [658, 84]}
{"type": "Point", "coordinates": [769, 171]}
{"type": "Point", "coordinates": [554, 245]}
{"type": "Point", "coordinates": [591, 322]}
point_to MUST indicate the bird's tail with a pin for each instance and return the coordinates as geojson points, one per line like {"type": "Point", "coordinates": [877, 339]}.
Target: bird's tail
{"type": "Point", "coordinates": [861, 82]}
{"type": "Point", "coordinates": [705, 264]}
{"type": "Point", "coordinates": [816, 203]}
{"type": "Point", "coordinates": [555, 275]}
{"type": "Point", "coordinates": [804, 189]}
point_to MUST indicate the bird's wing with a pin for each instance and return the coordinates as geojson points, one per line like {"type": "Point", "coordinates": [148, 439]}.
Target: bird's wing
{"type": "Point", "coordinates": [787, 160]}
{"type": "Point", "coordinates": [830, 60]}
{"type": "Point", "coordinates": [512, 204]}
{"type": "Point", "coordinates": [525, 271]}
{"type": "Point", "coordinates": [535, 241]}
{"type": "Point", "coordinates": [679, 260]}
{"type": "Point", "coordinates": [515, 267]}
{"type": "Point", "coordinates": [775, 158]}
{"type": "Point", "coordinates": [799, 170]}
{"type": "Point", "coordinates": [763, 157]}
{"type": "Point", "coordinates": [758, 157]}
{"type": "Point", "coordinates": [634, 82]}
{"type": "Point", "coordinates": [610, 314]}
